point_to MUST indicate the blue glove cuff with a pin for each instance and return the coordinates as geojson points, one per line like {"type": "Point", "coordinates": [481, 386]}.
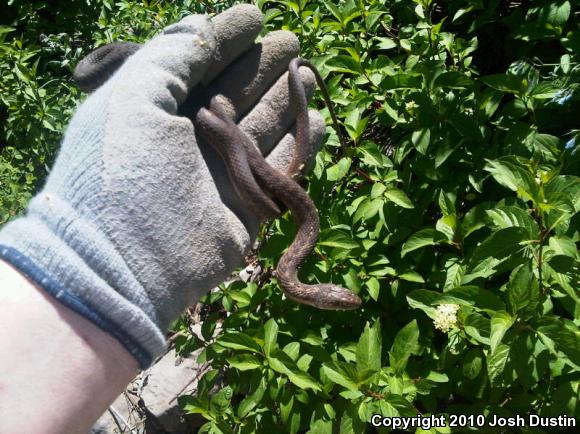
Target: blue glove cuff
{"type": "Point", "coordinates": [67, 256]}
{"type": "Point", "coordinates": [70, 300]}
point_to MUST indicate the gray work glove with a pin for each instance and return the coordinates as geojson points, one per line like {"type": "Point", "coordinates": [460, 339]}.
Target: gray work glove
{"type": "Point", "coordinates": [138, 218]}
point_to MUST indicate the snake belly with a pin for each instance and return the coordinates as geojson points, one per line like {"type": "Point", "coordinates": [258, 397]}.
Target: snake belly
{"type": "Point", "coordinates": [248, 169]}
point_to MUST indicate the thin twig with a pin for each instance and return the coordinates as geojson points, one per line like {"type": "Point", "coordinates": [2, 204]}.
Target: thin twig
{"type": "Point", "coordinates": [201, 371]}
{"type": "Point", "coordinates": [115, 414]}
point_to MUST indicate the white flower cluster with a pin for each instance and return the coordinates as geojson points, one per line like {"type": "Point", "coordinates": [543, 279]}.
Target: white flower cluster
{"type": "Point", "coordinates": [446, 317]}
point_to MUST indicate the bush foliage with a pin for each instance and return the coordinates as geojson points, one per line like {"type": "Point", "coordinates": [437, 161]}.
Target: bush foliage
{"type": "Point", "coordinates": [453, 212]}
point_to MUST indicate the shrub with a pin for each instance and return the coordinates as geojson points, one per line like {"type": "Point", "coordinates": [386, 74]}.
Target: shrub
{"type": "Point", "coordinates": [453, 213]}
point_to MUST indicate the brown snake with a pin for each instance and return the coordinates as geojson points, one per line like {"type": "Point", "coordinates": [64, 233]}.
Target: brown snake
{"type": "Point", "coordinates": [251, 175]}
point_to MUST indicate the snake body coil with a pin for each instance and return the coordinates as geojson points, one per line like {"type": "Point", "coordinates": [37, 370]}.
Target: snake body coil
{"type": "Point", "coordinates": [251, 175]}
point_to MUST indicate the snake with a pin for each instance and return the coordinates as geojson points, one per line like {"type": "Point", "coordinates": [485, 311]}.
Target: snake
{"type": "Point", "coordinates": [258, 183]}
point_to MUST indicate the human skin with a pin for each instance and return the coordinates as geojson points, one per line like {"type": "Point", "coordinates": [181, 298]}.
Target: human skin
{"type": "Point", "coordinates": [58, 371]}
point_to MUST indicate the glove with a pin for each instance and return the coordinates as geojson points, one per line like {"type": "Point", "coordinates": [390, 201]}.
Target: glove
{"type": "Point", "coordinates": [138, 218]}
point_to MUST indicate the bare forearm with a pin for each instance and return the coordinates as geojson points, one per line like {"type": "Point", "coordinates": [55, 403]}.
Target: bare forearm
{"type": "Point", "coordinates": [58, 371]}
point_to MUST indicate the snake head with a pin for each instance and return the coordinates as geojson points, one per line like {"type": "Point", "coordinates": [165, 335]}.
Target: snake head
{"type": "Point", "coordinates": [326, 296]}
{"type": "Point", "coordinates": [338, 298]}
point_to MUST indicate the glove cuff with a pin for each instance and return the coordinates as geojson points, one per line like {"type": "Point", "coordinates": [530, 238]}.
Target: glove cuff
{"type": "Point", "coordinates": [76, 264]}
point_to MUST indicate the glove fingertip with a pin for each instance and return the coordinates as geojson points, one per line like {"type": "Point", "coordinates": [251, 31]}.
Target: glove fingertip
{"type": "Point", "coordinates": [199, 25]}
{"type": "Point", "coordinates": [176, 59]}
{"type": "Point", "coordinates": [236, 29]}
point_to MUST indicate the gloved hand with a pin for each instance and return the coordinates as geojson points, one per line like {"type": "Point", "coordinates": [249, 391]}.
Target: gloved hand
{"type": "Point", "coordinates": [138, 218]}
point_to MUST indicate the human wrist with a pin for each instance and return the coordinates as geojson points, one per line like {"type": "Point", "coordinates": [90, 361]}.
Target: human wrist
{"type": "Point", "coordinates": [77, 265]}
{"type": "Point", "coordinates": [81, 367]}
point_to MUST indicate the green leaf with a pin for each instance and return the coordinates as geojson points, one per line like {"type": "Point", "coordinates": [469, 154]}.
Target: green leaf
{"type": "Point", "coordinates": [342, 63]}
{"type": "Point", "coordinates": [385, 43]}
{"type": "Point", "coordinates": [489, 102]}
{"type": "Point", "coordinates": [472, 364]}
{"type": "Point", "coordinates": [565, 336]}
{"type": "Point", "coordinates": [399, 197]}
{"type": "Point", "coordinates": [390, 114]}
{"type": "Point", "coordinates": [411, 276]}
{"type": "Point", "coordinates": [373, 18]}
{"type": "Point", "coordinates": [500, 324]}
{"type": "Point", "coordinates": [367, 209]}
{"type": "Point", "coordinates": [420, 11]}
{"type": "Point", "coordinates": [476, 218]}
{"type": "Point", "coordinates": [340, 373]}
{"type": "Point", "coordinates": [496, 362]}
{"type": "Point", "coordinates": [6, 29]}
{"type": "Point", "coordinates": [242, 298]}
{"type": "Point", "coordinates": [406, 343]}
{"type": "Point", "coordinates": [293, 350]}
{"type": "Point", "coordinates": [337, 239]}
{"type": "Point", "coordinates": [339, 170]}
{"type": "Point", "coordinates": [372, 156]}
{"type": "Point", "coordinates": [473, 296]}
{"type": "Point", "coordinates": [513, 216]}
{"type": "Point", "coordinates": [292, 5]}
{"type": "Point", "coordinates": [244, 362]}
{"type": "Point", "coordinates": [334, 10]}
{"type": "Point", "coordinates": [377, 190]}
{"type": "Point", "coordinates": [555, 14]}
{"type": "Point", "coordinates": [368, 349]}
{"type": "Point", "coordinates": [545, 90]}
{"type": "Point", "coordinates": [350, 421]}
{"type": "Point", "coordinates": [421, 140]}
{"type": "Point", "coordinates": [321, 426]}
{"type": "Point", "coordinates": [447, 225]}
{"type": "Point", "coordinates": [253, 399]}
{"type": "Point", "coordinates": [563, 246]}
{"type": "Point", "coordinates": [508, 172]}
{"type": "Point", "coordinates": [220, 401]}
{"type": "Point", "coordinates": [238, 341]}
{"type": "Point", "coordinates": [194, 405]}
{"type": "Point", "coordinates": [270, 336]}
{"type": "Point", "coordinates": [373, 288]}
{"type": "Point", "coordinates": [462, 11]}
{"type": "Point", "coordinates": [352, 14]}
{"type": "Point", "coordinates": [564, 185]}
{"type": "Point", "coordinates": [220, 427]}
{"type": "Point", "coordinates": [453, 80]}
{"type": "Point", "coordinates": [355, 123]}
{"type": "Point", "coordinates": [498, 247]}
{"type": "Point", "coordinates": [506, 83]}
{"type": "Point", "coordinates": [424, 299]}
{"type": "Point", "coordinates": [465, 125]}
{"type": "Point", "coordinates": [447, 202]}
{"type": "Point", "coordinates": [352, 280]}
{"type": "Point", "coordinates": [546, 145]}
{"type": "Point", "coordinates": [280, 362]}
{"type": "Point", "coordinates": [406, 44]}
{"type": "Point", "coordinates": [396, 405]}
{"type": "Point", "coordinates": [402, 81]}
{"type": "Point", "coordinates": [565, 271]}
{"type": "Point", "coordinates": [425, 237]}
{"type": "Point", "coordinates": [523, 289]}
{"type": "Point", "coordinates": [313, 339]}
{"type": "Point", "coordinates": [477, 327]}
{"type": "Point", "coordinates": [454, 270]}
{"type": "Point", "coordinates": [290, 418]}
